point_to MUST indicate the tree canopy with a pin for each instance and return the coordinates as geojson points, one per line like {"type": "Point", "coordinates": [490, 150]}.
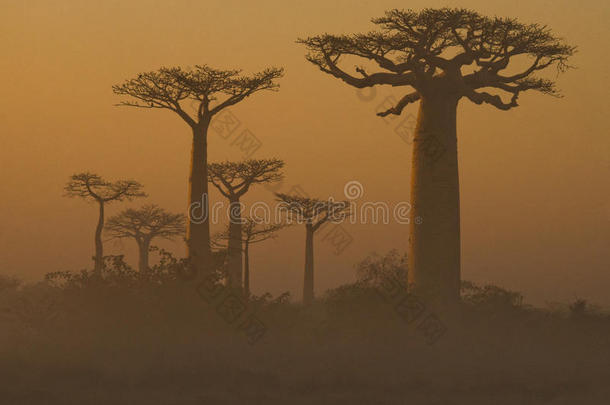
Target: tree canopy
{"type": "Point", "coordinates": [455, 51]}
{"type": "Point", "coordinates": [211, 89]}
{"type": "Point", "coordinates": [233, 179]}
{"type": "Point", "coordinates": [92, 186]}
{"type": "Point", "coordinates": [313, 211]}
{"type": "Point", "coordinates": [147, 222]}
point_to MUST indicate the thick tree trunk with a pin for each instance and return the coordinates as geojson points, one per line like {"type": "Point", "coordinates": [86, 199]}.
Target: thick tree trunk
{"type": "Point", "coordinates": [143, 246]}
{"type": "Point", "coordinates": [234, 250]}
{"type": "Point", "coordinates": [247, 269]}
{"type": "Point", "coordinates": [308, 278]}
{"type": "Point", "coordinates": [198, 227]}
{"type": "Point", "coordinates": [434, 243]}
{"type": "Point", "coordinates": [99, 247]}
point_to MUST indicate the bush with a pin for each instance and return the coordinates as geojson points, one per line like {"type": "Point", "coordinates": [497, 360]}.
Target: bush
{"type": "Point", "coordinates": [491, 299]}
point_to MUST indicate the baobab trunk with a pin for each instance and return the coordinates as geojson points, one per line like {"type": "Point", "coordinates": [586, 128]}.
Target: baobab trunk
{"type": "Point", "coordinates": [434, 243]}
{"type": "Point", "coordinates": [143, 246]}
{"type": "Point", "coordinates": [247, 269]}
{"type": "Point", "coordinates": [198, 227]}
{"type": "Point", "coordinates": [234, 248]}
{"type": "Point", "coordinates": [99, 248]}
{"type": "Point", "coordinates": [308, 277]}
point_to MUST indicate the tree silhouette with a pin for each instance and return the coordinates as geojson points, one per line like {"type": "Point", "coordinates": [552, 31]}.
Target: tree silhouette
{"type": "Point", "coordinates": [91, 186]}
{"type": "Point", "coordinates": [444, 55]}
{"type": "Point", "coordinates": [233, 180]}
{"type": "Point", "coordinates": [144, 224]}
{"type": "Point", "coordinates": [212, 90]}
{"type": "Point", "coordinates": [313, 213]}
{"type": "Point", "coordinates": [252, 232]}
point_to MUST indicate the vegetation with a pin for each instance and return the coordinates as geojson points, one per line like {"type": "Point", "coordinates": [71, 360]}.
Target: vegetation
{"type": "Point", "coordinates": [144, 225]}
{"type": "Point", "coordinates": [90, 186]}
{"type": "Point", "coordinates": [212, 90]}
{"type": "Point", "coordinates": [149, 335]}
{"type": "Point", "coordinates": [233, 180]}
{"type": "Point", "coordinates": [182, 330]}
{"type": "Point", "coordinates": [442, 56]}
{"type": "Point", "coordinates": [314, 213]}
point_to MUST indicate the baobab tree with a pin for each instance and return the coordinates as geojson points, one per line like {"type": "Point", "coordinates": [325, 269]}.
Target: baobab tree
{"type": "Point", "coordinates": [145, 224]}
{"type": "Point", "coordinates": [212, 90]}
{"type": "Point", "coordinates": [313, 213]}
{"type": "Point", "coordinates": [233, 180]}
{"type": "Point", "coordinates": [443, 55]}
{"type": "Point", "coordinates": [252, 232]}
{"type": "Point", "coordinates": [92, 187]}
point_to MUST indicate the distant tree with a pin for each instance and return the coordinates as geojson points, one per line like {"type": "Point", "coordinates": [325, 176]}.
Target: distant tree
{"type": "Point", "coordinates": [233, 180]}
{"type": "Point", "coordinates": [313, 213]}
{"type": "Point", "coordinates": [212, 91]}
{"type": "Point", "coordinates": [92, 187]}
{"type": "Point", "coordinates": [252, 232]}
{"type": "Point", "coordinates": [444, 55]}
{"type": "Point", "coordinates": [145, 224]}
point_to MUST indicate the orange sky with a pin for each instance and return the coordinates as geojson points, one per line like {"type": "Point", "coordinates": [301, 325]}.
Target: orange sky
{"type": "Point", "coordinates": [534, 180]}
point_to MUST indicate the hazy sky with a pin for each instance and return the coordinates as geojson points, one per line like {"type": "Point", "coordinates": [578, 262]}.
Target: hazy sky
{"type": "Point", "coordinates": [534, 181]}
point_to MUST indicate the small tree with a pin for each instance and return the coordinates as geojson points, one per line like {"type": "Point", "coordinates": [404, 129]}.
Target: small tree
{"type": "Point", "coordinates": [144, 224]}
{"type": "Point", "coordinates": [252, 232]}
{"type": "Point", "coordinates": [313, 213]}
{"type": "Point", "coordinates": [92, 187]}
{"type": "Point", "coordinates": [212, 91]}
{"type": "Point", "coordinates": [443, 55]}
{"type": "Point", "coordinates": [233, 180]}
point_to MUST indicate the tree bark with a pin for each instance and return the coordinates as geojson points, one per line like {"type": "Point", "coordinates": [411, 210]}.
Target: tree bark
{"type": "Point", "coordinates": [308, 277]}
{"type": "Point", "coordinates": [99, 247]}
{"type": "Point", "coordinates": [434, 243]}
{"type": "Point", "coordinates": [143, 246]}
{"type": "Point", "coordinates": [247, 268]}
{"type": "Point", "coordinates": [198, 227]}
{"type": "Point", "coordinates": [234, 248]}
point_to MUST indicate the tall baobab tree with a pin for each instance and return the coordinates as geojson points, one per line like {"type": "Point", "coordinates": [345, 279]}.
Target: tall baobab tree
{"type": "Point", "coordinates": [313, 213]}
{"type": "Point", "coordinates": [233, 180]}
{"type": "Point", "coordinates": [144, 224]}
{"type": "Point", "coordinates": [212, 91]}
{"type": "Point", "coordinates": [443, 55]}
{"type": "Point", "coordinates": [91, 186]}
{"type": "Point", "coordinates": [252, 232]}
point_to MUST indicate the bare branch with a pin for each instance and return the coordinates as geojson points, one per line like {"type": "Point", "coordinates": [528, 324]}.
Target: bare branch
{"type": "Point", "coordinates": [402, 103]}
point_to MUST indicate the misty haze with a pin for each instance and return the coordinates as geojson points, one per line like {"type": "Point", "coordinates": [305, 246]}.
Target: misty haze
{"type": "Point", "coordinates": [334, 202]}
